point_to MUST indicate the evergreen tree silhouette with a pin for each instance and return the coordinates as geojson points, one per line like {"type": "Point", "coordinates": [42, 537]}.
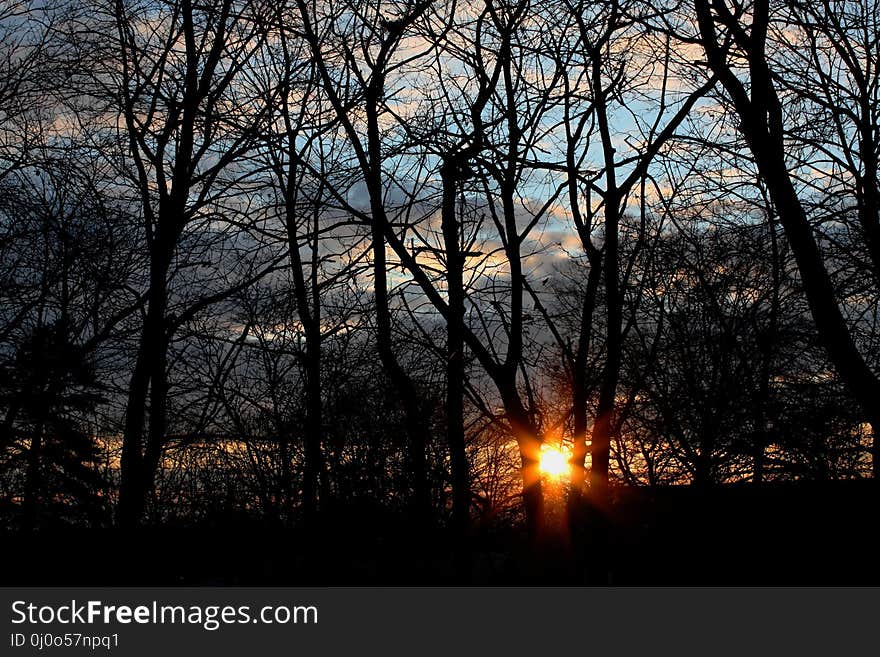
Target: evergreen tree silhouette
{"type": "Point", "coordinates": [46, 390]}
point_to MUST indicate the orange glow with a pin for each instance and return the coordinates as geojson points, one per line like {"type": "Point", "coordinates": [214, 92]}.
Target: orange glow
{"type": "Point", "coordinates": [554, 462]}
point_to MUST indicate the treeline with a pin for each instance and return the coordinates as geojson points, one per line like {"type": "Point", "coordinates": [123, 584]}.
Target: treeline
{"type": "Point", "coordinates": [271, 258]}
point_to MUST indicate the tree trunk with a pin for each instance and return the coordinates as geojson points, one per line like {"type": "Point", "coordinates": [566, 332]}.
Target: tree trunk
{"type": "Point", "coordinates": [601, 439]}
{"type": "Point", "coordinates": [768, 349]}
{"type": "Point", "coordinates": [602, 428]}
{"type": "Point", "coordinates": [529, 444]}
{"type": "Point", "coordinates": [415, 424]}
{"type": "Point", "coordinates": [131, 496]}
{"type": "Point", "coordinates": [140, 457]}
{"type": "Point", "coordinates": [313, 427]}
{"type": "Point", "coordinates": [455, 438]}
{"type": "Point", "coordinates": [309, 315]}
{"type": "Point", "coordinates": [579, 384]}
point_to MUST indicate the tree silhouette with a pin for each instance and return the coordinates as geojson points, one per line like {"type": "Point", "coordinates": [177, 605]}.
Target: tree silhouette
{"type": "Point", "coordinates": [48, 391]}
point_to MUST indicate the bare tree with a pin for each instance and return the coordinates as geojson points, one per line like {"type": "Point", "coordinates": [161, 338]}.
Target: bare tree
{"type": "Point", "coordinates": [735, 40]}
{"type": "Point", "coordinates": [186, 121]}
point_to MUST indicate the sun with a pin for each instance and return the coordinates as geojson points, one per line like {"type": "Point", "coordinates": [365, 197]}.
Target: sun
{"type": "Point", "coordinates": [554, 462]}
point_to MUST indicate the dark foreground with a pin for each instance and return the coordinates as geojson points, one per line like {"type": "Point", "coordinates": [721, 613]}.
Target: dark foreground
{"type": "Point", "coordinates": [783, 534]}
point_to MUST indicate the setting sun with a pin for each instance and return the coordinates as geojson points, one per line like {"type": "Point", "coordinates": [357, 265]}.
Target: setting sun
{"type": "Point", "coordinates": [554, 462]}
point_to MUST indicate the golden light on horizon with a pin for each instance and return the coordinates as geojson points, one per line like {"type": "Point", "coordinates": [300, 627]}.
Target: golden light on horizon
{"type": "Point", "coordinates": [554, 462]}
